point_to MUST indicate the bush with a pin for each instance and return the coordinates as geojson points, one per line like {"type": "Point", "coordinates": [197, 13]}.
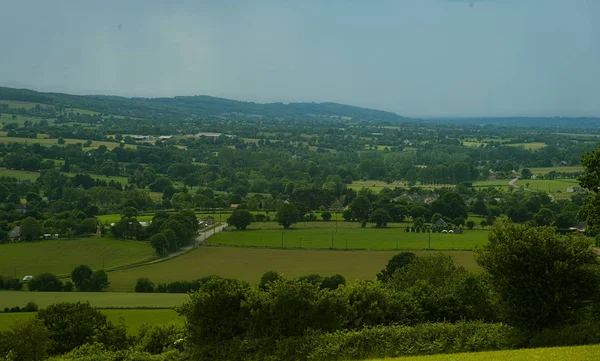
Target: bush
{"type": "Point", "coordinates": [68, 286]}
{"type": "Point", "coordinates": [259, 217]}
{"type": "Point", "coordinates": [9, 283]}
{"type": "Point", "coordinates": [24, 341]}
{"type": "Point", "coordinates": [46, 282]}
{"type": "Point", "coordinates": [586, 333]}
{"type": "Point", "coordinates": [155, 338]}
{"type": "Point", "coordinates": [30, 307]}
{"type": "Point", "coordinates": [144, 285]}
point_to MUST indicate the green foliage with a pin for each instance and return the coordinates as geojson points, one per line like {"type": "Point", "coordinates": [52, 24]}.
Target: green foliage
{"type": "Point", "coordinates": [369, 304]}
{"type": "Point", "coordinates": [240, 218]}
{"type": "Point", "coordinates": [89, 281]}
{"type": "Point", "coordinates": [326, 216]}
{"type": "Point", "coordinates": [26, 340]}
{"type": "Point", "coordinates": [396, 263]}
{"type": "Point", "coordinates": [46, 282]}
{"type": "Point", "coordinates": [156, 339]}
{"type": "Point", "coordinates": [380, 217]}
{"type": "Point", "coordinates": [360, 208]}
{"type": "Point", "coordinates": [543, 279]}
{"type": "Point", "coordinates": [31, 229]}
{"type": "Point", "coordinates": [144, 285]}
{"type": "Point", "coordinates": [287, 215]}
{"type": "Point", "coordinates": [267, 278]}
{"type": "Point", "coordinates": [71, 325]}
{"type": "Point", "coordinates": [80, 276]}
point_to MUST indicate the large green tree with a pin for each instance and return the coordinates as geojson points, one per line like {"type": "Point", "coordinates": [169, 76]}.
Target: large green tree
{"type": "Point", "coordinates": [31, 229]}
{"type": "Point", "coordinates": [287, 215]}
{"type": "Point", "coordinates": [240, 218]}
{"type": "Point", "coordinates": [542, 279]}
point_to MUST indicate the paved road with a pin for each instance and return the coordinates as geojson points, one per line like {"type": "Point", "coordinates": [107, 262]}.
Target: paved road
{"type": "Point", "coordinates": [202, 236]}
{"type": "Point", "coordinates": [513, 182]}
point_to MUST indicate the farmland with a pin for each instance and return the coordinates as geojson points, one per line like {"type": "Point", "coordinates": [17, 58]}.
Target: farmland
{"type": "Point", "coordinates": [133, 319]}
{"type": "Point", "coordinates": [269, 235]}
{"type": "Point", "coordinates": [96, 299]}
{"type": "Point", "coordinates": [528, 146]}
{"type": "Point", "coordinates": [578, 353]}
{"type": "Point", "coordinates": [249, 264]}
{"type": "Point", "coordinates": [50, 142]}
{"type": "Point", "coordinates": [61, 256]}
{"type": "Point", "coordinates": [565, 169]}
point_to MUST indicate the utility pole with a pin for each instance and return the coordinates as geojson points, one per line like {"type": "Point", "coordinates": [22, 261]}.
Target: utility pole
{"type": "Point", "coordinates": [281, 239]}
{"type": "Point", "coordinates": [429, 238]}
{"type": "Point", "coordinates": [332, 239]}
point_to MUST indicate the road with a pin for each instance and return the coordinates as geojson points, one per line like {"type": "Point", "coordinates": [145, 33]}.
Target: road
{"type": "Point", "coordinates": [513, 182]}
{"type": "Point", "coordinates": [202, 236]}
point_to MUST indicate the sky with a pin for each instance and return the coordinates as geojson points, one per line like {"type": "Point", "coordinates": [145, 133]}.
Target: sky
{"type": "Point", "coordinates": [418, 58]}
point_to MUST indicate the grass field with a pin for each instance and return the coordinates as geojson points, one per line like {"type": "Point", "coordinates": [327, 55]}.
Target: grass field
{"type": "Point", "coordinates": [96, 299]}
{"type": "Point", "coordinates": [133, 319]}
{"type": "Point", "coordinates": [61, 256]}
{"type": "Point", "coordinates": [375, 185]}
{"type": "Point", "coordinates": [22, 175]}
{"type": "Point", "coordinates": [546, 170]}
{"type": "Point", "coordinates": [578, 353]}
{"type": "Point", "coordinates": [51, 142]}
{"type": "Point", "coordinates": [500, 183]}
{"type": "Point", "coordinates": [348, 236]}
{"type": "Point", "coordinates": [249, 264]}
{"type": "Point", "coordinates": [548, 185]}
{"type": "Point", "coordinates": [528, 146]}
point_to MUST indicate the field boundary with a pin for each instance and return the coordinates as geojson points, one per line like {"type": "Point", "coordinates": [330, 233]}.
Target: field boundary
{"type": "Point", "coordinates": [216, 245]}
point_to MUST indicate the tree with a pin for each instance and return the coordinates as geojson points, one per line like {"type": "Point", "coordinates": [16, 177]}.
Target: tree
{"type": "Point", "coordinates": [27, 340]}
{"type": "Point", "coordinates": [144, 285]}
{"type": "Point", "coordinates": [479, 207]}
{"type": "Point", "coordinates": [380, 217]}
{"type": "Point", "coordinates": [397, 262]}
{"type": "Point", "coordinates": [98, 281]}
{"type": "Point", "coordinates": [80, 276]}
{"type": "Point", "coordinates": [419, 222]}
{"type": "Point", "coordinates": [61, 140]}
{"type": "Point", "coordinates": [470, 224]}
{"type": "Point", "coordinates": [240, 218]}
{"type": "Point", "coordinates": [71, 325]}
{"type": "Point", "coordinates": [543, 279]}
{"type": "Point", "coordinates": [526, 173]}
{"type": "Point", "coordinates": [287, 215]}
{"type": "Point", "coordinates": [451, 205]}
{"type": "Point", "coordinates": [544, 217]}
{"type": "Point", "coordinates": [160, 243]}
{"type": "Point", "coordinates": [360, 208]}
{"type": "Point", "coordinates": [31, 229]}
{"type": "Point", "coordinates": [326, 216]}
{"type": "Point", "coordinates": [45, 282]}
{"type": "Point", "coordinates": [267, 278]}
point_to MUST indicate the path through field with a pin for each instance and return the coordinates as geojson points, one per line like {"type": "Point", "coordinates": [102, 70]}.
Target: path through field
{"type": "Point", "coordinates": [513, 182]}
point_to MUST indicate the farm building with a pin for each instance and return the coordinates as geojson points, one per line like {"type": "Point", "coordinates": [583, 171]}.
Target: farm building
{"type": "Point", "coordinates": [574, 189]}
{"type": "Point", "coordinates": [15, 234]}
{"type": "Point", "coordinates": [440, 224]}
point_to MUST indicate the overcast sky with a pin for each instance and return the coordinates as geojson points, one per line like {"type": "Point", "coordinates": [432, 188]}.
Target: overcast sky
{"type": "Point", "coordinates": [421, 58]}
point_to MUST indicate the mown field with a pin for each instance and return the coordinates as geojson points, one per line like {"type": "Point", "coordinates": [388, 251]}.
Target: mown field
{"type": "Point", "coordinates": [546, 170]}
{"type": "Point", "coordinates": [578, 353]}
{"type": "Point", "coordinates": [62, 256]}
{"type": "Point", "coordinates": [51, 142]}
{"type": "Point", "coordinates": [96, 299]}
{"type": "Point", "coordinates": [528, 146]}
{"type": "Point", "coordinates": [315, 235]}
{"type": "Point", "coordinates": [22, 175]}
{"type": "Point", "coordinates": [249, 264]}
{"type": "Point", "coordinates": [133, 319]}
{"type": "Point", "coordinates": [548, 185]}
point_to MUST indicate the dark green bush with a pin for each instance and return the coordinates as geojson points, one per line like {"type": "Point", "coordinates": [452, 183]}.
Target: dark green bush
{"type": "Point", "coordinates": [155, 339]}
{"type": "Point", "coordinates": [30, 307]}
{"type": "Point", "coordinates": [46, 282]}
{"type": "Point", "coordinates": [586, 333]}
{"type": "Point", "coordinates": [144, 285]}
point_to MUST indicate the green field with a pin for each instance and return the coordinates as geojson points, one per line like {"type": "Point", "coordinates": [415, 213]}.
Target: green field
{"type": "Point", "coordinates": [375, 185]}
{"type": "Point", "coordinates": [528, 146]}
{"type": "Point", "coordinates": [348, 235]}
{"type": "Point", "coordinates": [61, 256]}
{"type": "Point", "coordinates": [51, 142]}
{"type": "Point", "coordinates": [578, 353]}
{"type": "Point", "coordinates": [96, 299]}
{"type": "Point", "coordinates": [133, 319]}
{"type": "Point", "coordinates": [546, 170]}
{"type": "Point", "coordinates": [499, 183]}
{"type": "Point", "coordinates": [249, 264]}
{"type": "Point", "coordinates": [19, 174]}
{"type": "Point", "coordinates": [548, 185]}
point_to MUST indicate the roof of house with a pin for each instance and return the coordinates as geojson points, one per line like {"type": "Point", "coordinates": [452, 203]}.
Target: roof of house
{"type": "Point", "coordinates": [440, 223]}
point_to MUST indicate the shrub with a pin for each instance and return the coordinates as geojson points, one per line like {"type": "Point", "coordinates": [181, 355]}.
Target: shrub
{"type": "Point", "coordinates": [25, 340]}
{"type": "Point", "coordinates": [585, 333]}
{"type": "Point", "coordinates": [155, 338]}
{"type": "Point", "coordinates": [144, 285]}
{"type": "Point", "coordinates": [267, 278]}
{"type": "Point", "coordinates": [46, 282]}
{"type": "Point", "coordinates": [68, 286]}
{"type": "Point", "coordinates": [30, 307]}
{"type": "Point", "coordinates": [259, 217]}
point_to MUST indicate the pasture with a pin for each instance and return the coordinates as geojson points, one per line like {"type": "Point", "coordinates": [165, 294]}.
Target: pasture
{"type": "Point", "coordinates": [50, 142]}
{"type": "Point", "coordinates": [548, 185]}
{"type": "Point", "coordinates": [133, 319]}
{"type": "Point", "coordinates": [96, 299]}
{"type": "Point", "coordinates": [574, 353]}
{"type": "Point", "coordinates": [566, 169]}
{"type": "Point", "coordinates": [528, 146]}
{"type": "Point", "coordinates": [249, 264]}
{"type": "Point", "coordinates": [375, 185]}
{"type": "Point", "coordinates": [62, 256]}
{"type": "Point", "coordinates": [19, 174]}
{"type": "Point", "coordinates": [349, 235]}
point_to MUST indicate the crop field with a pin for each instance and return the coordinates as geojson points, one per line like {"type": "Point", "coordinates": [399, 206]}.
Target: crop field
{"type": "Point", "coordinates": [349, 238]}
{"type": "Point", "coordinates": [577, 353]}
{"type": "Point", "coordinates": [375, 185]}
{"type": "Point", "coordinates": [51, 142]}
{"type": "Point", "coordinates": [501, 184]}
{"type": "Point", "coordinates": [528, 146]}
{"type": "Point", "coordinates": [62, 256]}
{"type": "Point", "coordinates": [249, 264]}
{"type": "Point", "coordinates": [133, 319]}
{"type": "Point", "coordinates": [96, 299]}
{"type": "Point", "coordinates": [546, 170]}
{"type": "Point", "coordinates": [548, 185]}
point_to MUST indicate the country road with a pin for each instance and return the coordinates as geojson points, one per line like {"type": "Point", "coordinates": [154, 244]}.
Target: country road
{"type": "Point", "coordinates": [513, 182]}
{"type": "Point", "coordinates": [202, 236]}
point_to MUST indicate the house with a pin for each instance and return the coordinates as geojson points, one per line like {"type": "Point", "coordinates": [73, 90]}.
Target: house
{"type": "Point", "coordinates": [574, 189]}
{"type": "Point", "coordinates": [207, 221]}
{"type": "Point", "coordinates": [440, 224]}
{"type": "Point", "coordinates": [234, 205]}
{"type": "Point", "coordinates": [15, 234]}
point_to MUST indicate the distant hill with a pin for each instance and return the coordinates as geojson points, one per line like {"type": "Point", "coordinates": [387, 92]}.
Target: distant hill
{"type": "Point", "coordinates": [556, 122]}
{"type": "Point", "coordinates": [198, 106]}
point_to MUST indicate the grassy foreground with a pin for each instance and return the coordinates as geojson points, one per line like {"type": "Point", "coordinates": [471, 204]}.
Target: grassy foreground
{"type": "Point", "coordinates": [249, 264]}
{"type": "Point", "coordinates": [96, 299]}
{"type": "Point", "coordinates": [62, 256]}
{"type": "Point", "coordinates": [133, 319]}
{"type": "Point", "coordinates": [579, 353]}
